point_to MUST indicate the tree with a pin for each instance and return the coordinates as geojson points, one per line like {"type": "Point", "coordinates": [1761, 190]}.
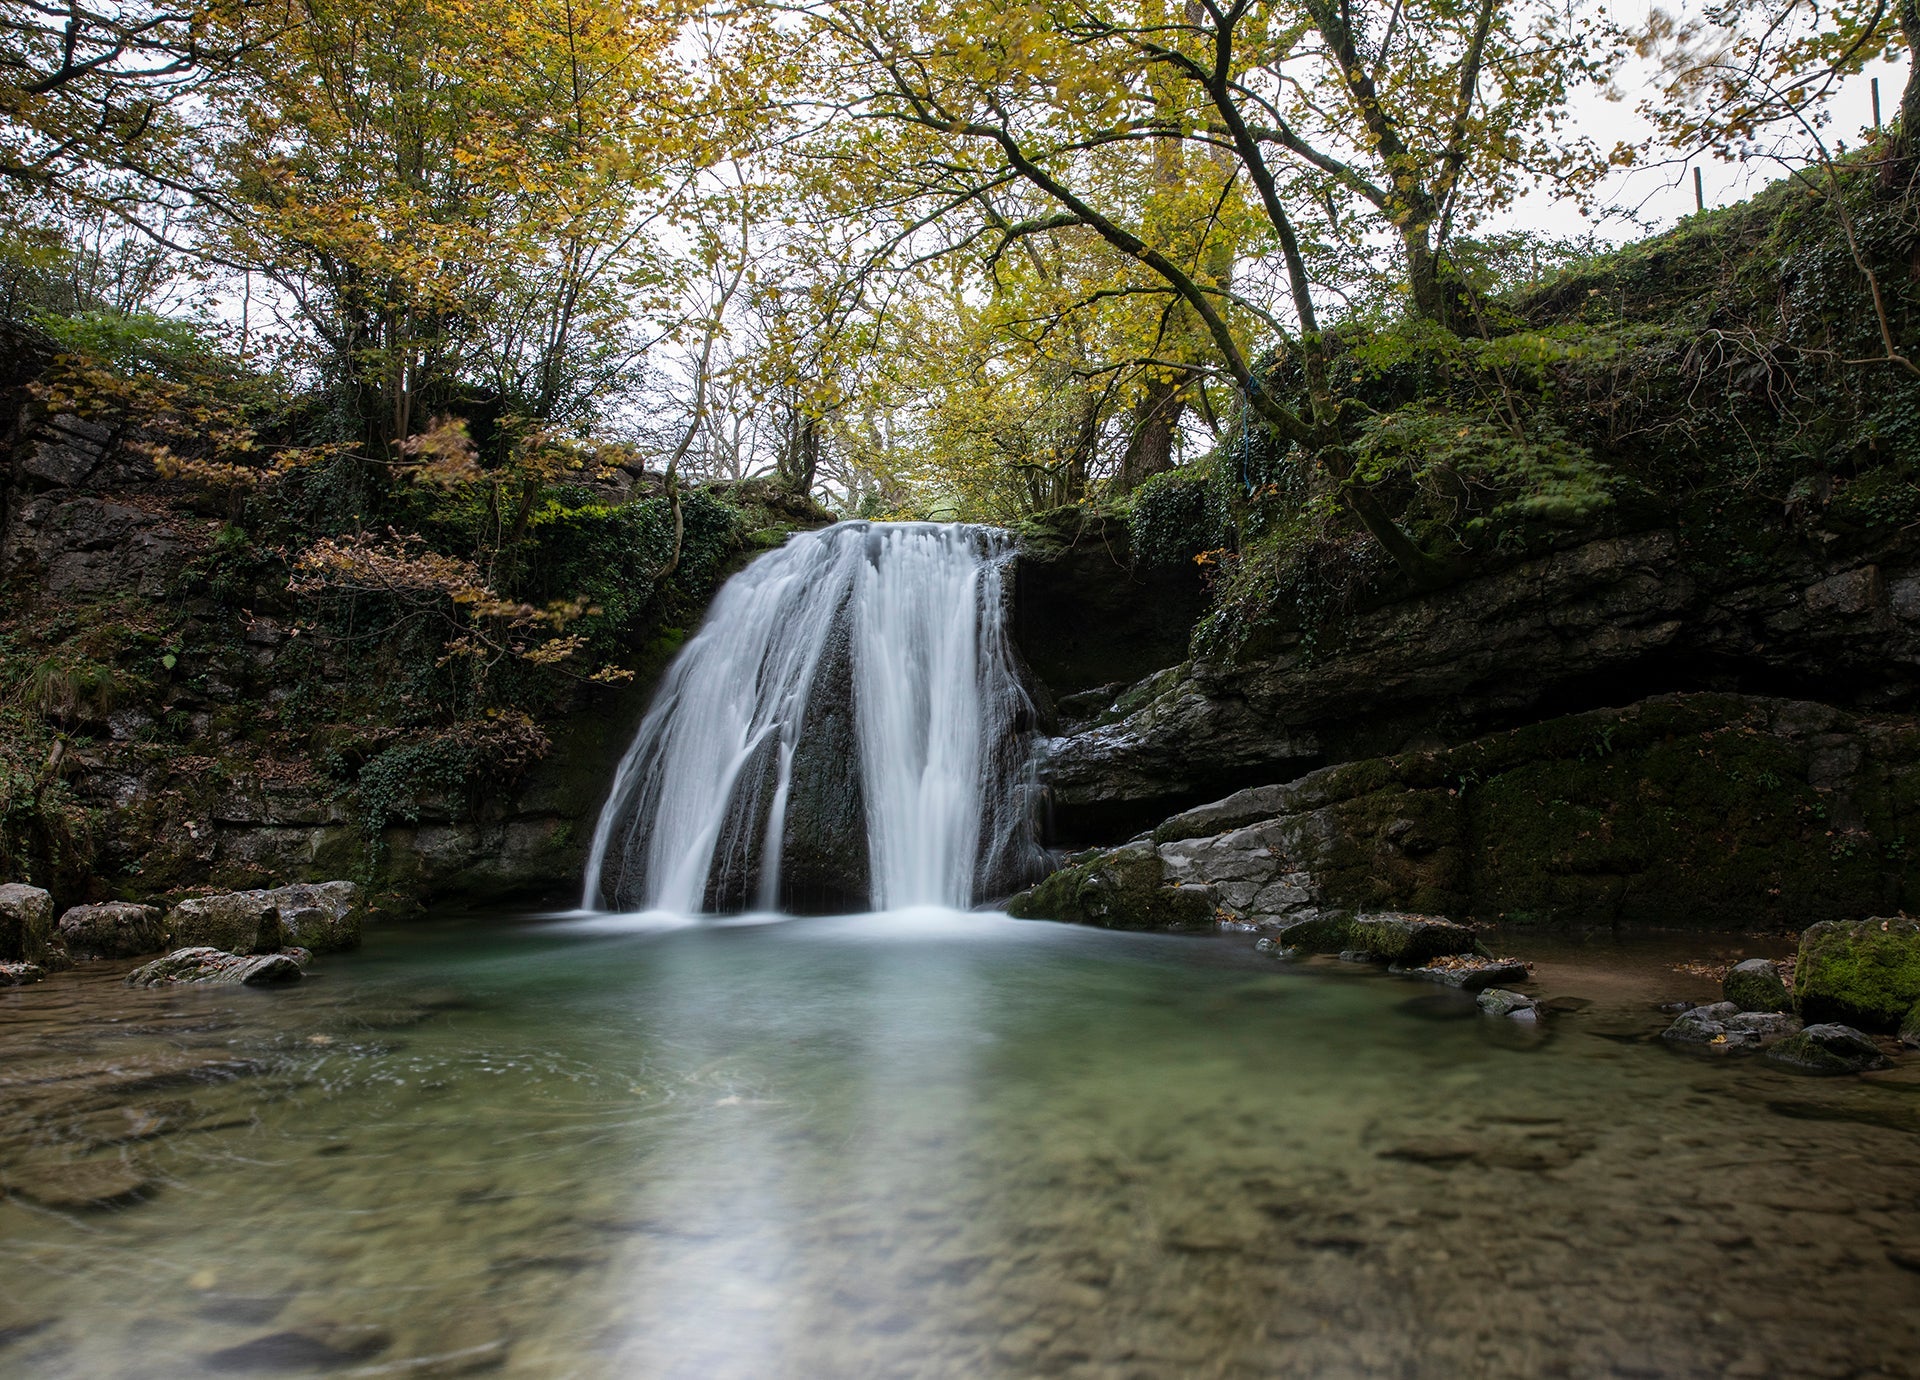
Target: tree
{"type": "Point", "coordinates": [1345, 125]}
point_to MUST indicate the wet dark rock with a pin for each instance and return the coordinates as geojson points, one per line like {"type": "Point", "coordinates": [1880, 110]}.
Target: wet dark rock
{"type": "Point", "coordinates": [1722, 1025]}
{"type": "Point", "coordinates": [1320, 934]}
{"type": "Point", "coordinates": [1829, 1048]}
{"type": "Point", "coordinates": [1755, 985]}
{"type": "Point", "coordinates": [321, 917]}
{"type": "Point", "coordinates": [824, 864]}
{"type": "Point", "coordinates": [1910, 1028]}
{"type": "Point", "coordinates": [236, 922]}
{"type": "Point", "coordinates": [321, 1346]}
{"type": "Point", "coordinates": [204, 964]}
{"type": "Point", "coordinates": [20, 974]}
{"type": "Point", "coordinates": [115, 929]}
{"type": "Point", "coordinates": [1440, 1151]}
{"type": "Point", "coordinates": [26, 923]}
{"type": "Point", "coordinates": [1469, 972]}
{"type": "Point", "coordinates": [1514, 1006]}
{"type": "Point", "coordinates": [1864, 973]}
{"type": "Point", "coordinates": [1441, 1006]}
{"type": "Point", "coordinates": [1409, 940]}
{"type": "Point", "coordinates": [1121, 889]}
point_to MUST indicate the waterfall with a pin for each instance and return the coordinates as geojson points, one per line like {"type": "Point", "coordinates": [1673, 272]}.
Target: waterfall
{"type": "Point", "coordinates": [847, 731]}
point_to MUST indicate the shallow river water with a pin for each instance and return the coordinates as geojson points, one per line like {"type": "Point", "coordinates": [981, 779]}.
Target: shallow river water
{"type": "Point", "coordinates": [928, 1145]}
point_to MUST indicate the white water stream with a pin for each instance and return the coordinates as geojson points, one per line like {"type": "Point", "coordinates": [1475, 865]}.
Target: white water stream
{"type": "Point", "coordinates": [848, 728]}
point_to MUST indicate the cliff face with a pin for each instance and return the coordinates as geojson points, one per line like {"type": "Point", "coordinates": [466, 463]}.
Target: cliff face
{"type": "Point", "coordinates": [1600, 623]}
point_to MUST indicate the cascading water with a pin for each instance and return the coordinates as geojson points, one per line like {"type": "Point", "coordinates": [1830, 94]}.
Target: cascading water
{"type": "Point", "coordinates": [847, 731]}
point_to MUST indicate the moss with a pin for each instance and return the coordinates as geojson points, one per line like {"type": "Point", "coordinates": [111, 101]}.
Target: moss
{"type": "Point", "coordinates": [1864, 973]}
{"type": "Point", "coordinates": [1124, 889]}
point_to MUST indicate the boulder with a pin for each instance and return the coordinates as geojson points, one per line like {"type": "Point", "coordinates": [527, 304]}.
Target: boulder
{"type": "Point", "coordinates": [1321, 934]}
{"type": "Point", "coordinates": [1755, 985]}
{"type": "Point", "coordinates": [1122, 889]}
{"type": "Point", "coordinates": [1468, 972]}
{"type": "Point", "coordinates": [235, 922]}
{"type": "Point", "coordinates": [324, 917]}
{"type": "Point", "coordinates": [26, 922]}
{"type": "Point", "coordinates": [1409, 940]}
{"type": "Point", "coordinates": [212, 966]}
{"type": "Point", "coordinates": [20, 974]}
{"type": "Point", "coordinates": [1910, 1028]}
{"type": "Point", "coordinates": [1829, 1048]}
{"type": "Point", "coordinates": [1723, 1025]}
{"type": "Point", "coordinates": [1864, 973]}
{"type": "Point", "coordinates": [117, 929]}
{"type": "Point", "coordinates": [1513, 1006]}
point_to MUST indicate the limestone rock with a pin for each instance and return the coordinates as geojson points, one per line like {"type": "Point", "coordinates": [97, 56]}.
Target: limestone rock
{"type": "Point", "coordinates": [1755, 985]}
{"type": "Point", "coordinates": [1829, 1048]}
{"type": "Point", "coordinates": [1861, 972]}
{"type": "Point", "coordinates": [324, 917]}
{"type": "Point", "coordinates": [26, 922]}
{"type": "Point", "coordinates": [212, 966]}
{"type": "Point", "coordinates": [236, 922]}
{"type": "Point", "coordinates": [1122, 889]}
{"type": "Point", "coordinates": [116, 929]}
{"type": "Point", "coordinates": [1723, 1025]}
{"type": "Point", "coordinates": [1409, 940]}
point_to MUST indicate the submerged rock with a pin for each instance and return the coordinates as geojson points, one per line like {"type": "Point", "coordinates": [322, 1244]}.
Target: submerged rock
{"type": "Point", "coordinates": [26, 922]}
{"type": "Point", "coordinates": [1755, 985]}
{"type": "Point", "coordinates": [116, 929]}
{"type": "Point", "coordinates": [1123, 889]}
{"type": "Point", "coordinates": [1859, 972]}
{"type": "Point", "coordinates": [213, 966]}
{"type": "Point", "coordinates": [318, 1346]}
{"type": "Point", "coordinates": [1829, 1048]}
{"type": "Point", "coordinates": [1513, 1006]}
{"type": "Point", "coordinates": [1724, 1025]}
{"type": "Point", "coordinates": [1410, 940]}
{"type": "Point", "coordinates": [1469, 972]}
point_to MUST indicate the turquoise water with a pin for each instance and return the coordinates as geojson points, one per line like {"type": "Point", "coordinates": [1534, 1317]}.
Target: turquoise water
{"type": "Point", "coordinates": [927, 1144]}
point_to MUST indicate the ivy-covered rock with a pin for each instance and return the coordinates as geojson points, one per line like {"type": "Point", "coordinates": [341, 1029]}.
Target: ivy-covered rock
{"type": "Point", "coordinates": [115, 929]}
{"type": "Point", "coordinates": [208, 965]}
{"type": "Point", "coordinates": [1829, 1048]}
{"type": "Point", "coordinates": [1859, 972]}
{"type": "Point", "coordinates": [26, 923]}
{"type": "Point", "coordinates": [1755, 985]}
{"type": "Point", "coordinates": [1124, 889]}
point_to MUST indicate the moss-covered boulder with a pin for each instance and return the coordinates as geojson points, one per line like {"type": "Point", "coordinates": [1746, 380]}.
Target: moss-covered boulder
{"type": "Point", "coordinates": [26, 923]}
{"type": "Point", "coordinates": [1409, 940]}
{"type": "Point", "coordinates": [1319, 934]}
{"type": "Point", "coordinates": [1859, 972]}
{"type": "Point", "coordinates": [322, 918]}
{"type": "Point", "coordinates": [1122, 889]}
{"type": "Point", "coordinates": [115, 929]}
{"type": "Point", "coordinates": [236, 922]}
{"type": "Point", "coordinates": [1828, 1049]}
{"type": "Point", "coordinates": [1755, 985]}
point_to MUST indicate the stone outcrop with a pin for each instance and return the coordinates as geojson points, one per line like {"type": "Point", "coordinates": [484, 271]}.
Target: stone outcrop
{"type": "Point", "coordinates": [114, 929]}
{"type": "Point", "coordinates": [1699, 811]}
{"type": "Point", "coordinates": [210, 965]}
{"type": "Point", "coordinates": [1124, 889]}
{"type": "Point", "coordinates": [1864, 973]}
{"type": "Point", "coordinates": [1602, 622]}
{"type": "Point", "coordinates": [321, 917]}
{"type": "Point", "coordinates": [26, 923]}
{"type": "Point", "coordinates": [1828, 1049]}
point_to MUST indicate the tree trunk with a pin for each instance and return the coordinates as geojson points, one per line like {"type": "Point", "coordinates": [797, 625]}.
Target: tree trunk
{"type": "Point", "coordinates": [1156, 420]}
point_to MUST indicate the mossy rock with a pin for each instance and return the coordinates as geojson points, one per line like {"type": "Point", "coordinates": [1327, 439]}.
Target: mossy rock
{"type": "Point", "coordinates": [1910, 1028]}
{"type": "Point", "coordinates": [1125, 889]}
{"type": "Point", "coordinates": [1409, 940]}
{"type": "Point", "coordinates": [1859, 972]}
{"type": "Point", "coordinates": [1755, 985]}
{"type": "Point", "coordinates": [1323, 934]}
